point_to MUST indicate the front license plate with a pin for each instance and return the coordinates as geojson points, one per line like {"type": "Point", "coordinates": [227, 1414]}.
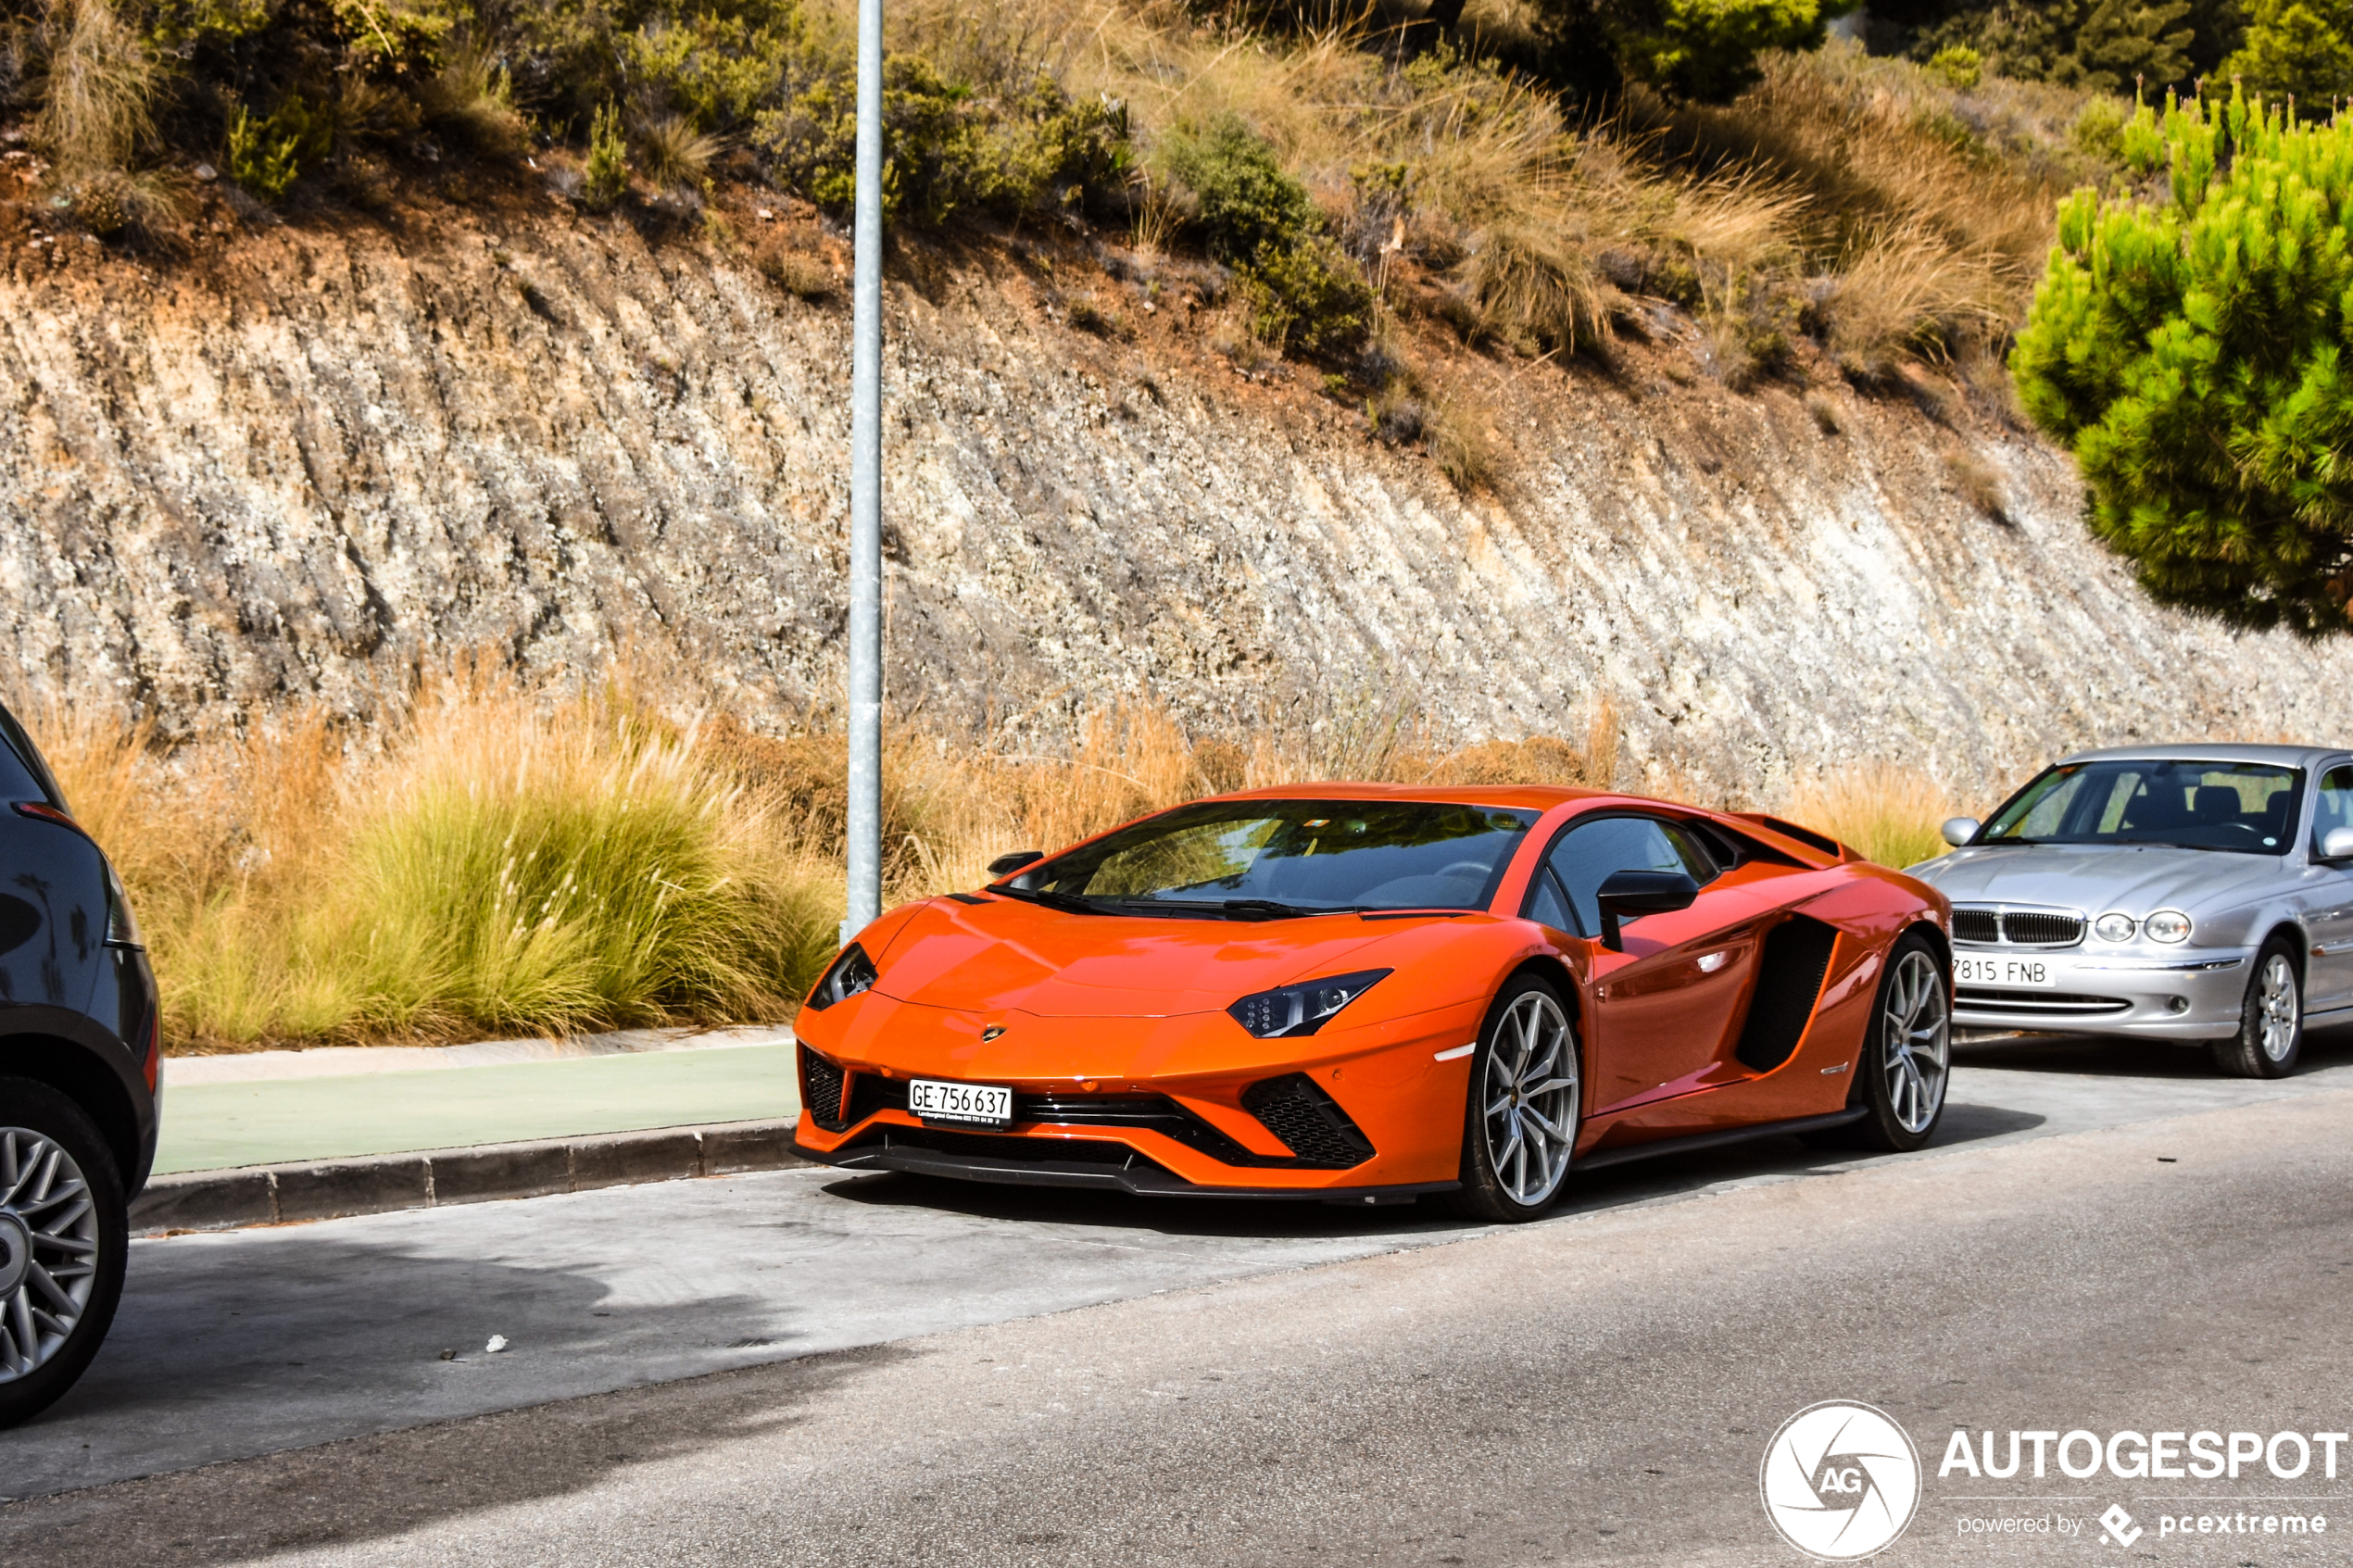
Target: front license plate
{"type": "Point", "coordinates": [966, 1105]}
{"type": "Point", "coordinates": [2005, 973]}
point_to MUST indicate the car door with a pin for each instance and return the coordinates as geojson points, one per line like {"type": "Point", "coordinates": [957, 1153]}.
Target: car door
{"type": "Point", "coordinates": [2328, 978]}
{"type": "Point", "coordinates": [1663, 1008]}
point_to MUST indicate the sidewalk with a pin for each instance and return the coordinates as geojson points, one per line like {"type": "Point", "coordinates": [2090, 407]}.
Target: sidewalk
{"type": "Point", "coordinates": [281, 1107]}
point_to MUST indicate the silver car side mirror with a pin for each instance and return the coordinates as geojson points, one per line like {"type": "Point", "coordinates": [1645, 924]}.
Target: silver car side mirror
{"type": "Point", "coordinates": [1959, 830]}
{"type": "Point", "coordinates": [2338, 844]}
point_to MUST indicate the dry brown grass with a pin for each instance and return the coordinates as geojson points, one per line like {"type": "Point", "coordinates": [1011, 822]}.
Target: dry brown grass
{"type": "Point", "coordinates": [304, 881]}
{"type": "Point", "coordinates": [1928, 209]}
{"type": "Point", "coordinates": [1892, 814]}
{"type": "Point", "coordinates": [98, 92]}
{"type": "Point", "coordinates": [1974, 480]}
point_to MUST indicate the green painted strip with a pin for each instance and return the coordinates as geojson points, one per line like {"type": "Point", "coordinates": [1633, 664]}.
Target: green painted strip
{"type": "Point", "coordinates": [209, 1126]}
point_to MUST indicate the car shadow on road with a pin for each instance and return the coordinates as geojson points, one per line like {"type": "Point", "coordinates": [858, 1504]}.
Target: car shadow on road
{"type": "Point", "coordinates": [339, 1365]}
{"type": "Point", "coordinates": [364, 1489]}
{"type": "Point", "coordinates": [2105, 1056]}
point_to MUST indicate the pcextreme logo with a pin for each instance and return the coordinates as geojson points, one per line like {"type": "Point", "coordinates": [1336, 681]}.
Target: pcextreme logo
{"type": "Point", "coordinates": [1841, 1480]}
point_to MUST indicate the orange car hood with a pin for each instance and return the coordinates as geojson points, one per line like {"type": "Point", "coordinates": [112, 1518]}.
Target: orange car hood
{"type": "Point", "coordinates": [1004, 953]}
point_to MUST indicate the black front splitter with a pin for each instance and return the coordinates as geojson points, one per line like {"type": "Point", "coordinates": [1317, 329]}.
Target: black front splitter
{"type": "Point", "coordinates": [1139, 1176]}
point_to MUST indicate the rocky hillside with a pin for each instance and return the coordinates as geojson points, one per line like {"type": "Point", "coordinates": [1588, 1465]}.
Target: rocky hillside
{"type": "Point", "coordinates": [307, 458]}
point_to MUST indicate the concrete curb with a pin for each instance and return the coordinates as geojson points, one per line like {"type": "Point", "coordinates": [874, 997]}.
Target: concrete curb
{"type": "Point", "coordinates": [267, 1194]}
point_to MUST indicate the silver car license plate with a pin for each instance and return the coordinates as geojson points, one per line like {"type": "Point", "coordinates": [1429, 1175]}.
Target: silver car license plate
{"type": "Point", "coordinates": [966, 1105]}
{"type": "Point", "coordinates": [2005, 973]}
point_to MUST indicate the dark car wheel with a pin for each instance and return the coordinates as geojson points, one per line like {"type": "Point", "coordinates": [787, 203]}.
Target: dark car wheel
{"type": "Point", "coordinates": [64, 1232]}
{"type": "Point", "coordinates": [2271, 1034]}
{"type": "Point", "coordinates": [1519, 1122]}
{"type": "Point", "coordinates": [1907, 1058]}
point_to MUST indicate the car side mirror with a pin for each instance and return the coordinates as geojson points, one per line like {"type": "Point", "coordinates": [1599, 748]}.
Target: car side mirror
{"type": "Point", "coordinates": [1959, 831]}
{"type": "Point", "coordinates": [2338, 844]}
{"type": "Point", "coordinates": [1006, 865]}
{"type": "Point", "coordinates": [1631, 894]}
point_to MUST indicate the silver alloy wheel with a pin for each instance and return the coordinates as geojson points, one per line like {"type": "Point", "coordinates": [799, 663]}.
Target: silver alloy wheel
{"type": "Point", "coordinates": [48, 1249]}
{"type": "Point", "coordinates": [2278, 1010]}
{"type": "Point", "coordinates": [1917, 1041]}
{"type": "Point", "coordinates": [1530, 1098]}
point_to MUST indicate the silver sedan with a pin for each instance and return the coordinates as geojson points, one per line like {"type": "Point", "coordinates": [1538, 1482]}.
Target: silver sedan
{"type": "Point", "coordinates": [2193, 892]}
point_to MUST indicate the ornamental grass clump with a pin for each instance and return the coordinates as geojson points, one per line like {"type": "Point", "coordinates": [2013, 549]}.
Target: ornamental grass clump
{"type": "Point", "coordinates": [1890, 814]}
{"type": "Point", "coordinates": [561, 874]}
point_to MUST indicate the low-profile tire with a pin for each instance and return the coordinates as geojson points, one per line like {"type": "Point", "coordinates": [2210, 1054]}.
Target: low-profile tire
{"type": "Point", "coordinates": [1908, 1054]}
{"type": "Point", "coordinates": [1520, 1120]}
{"type": "Point", "coordinates": [2270, 1036]}
{"type": "Point", "coordinates": [64, 1236]}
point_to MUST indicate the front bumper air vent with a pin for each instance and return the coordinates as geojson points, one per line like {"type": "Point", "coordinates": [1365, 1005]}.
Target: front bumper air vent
{"type": "Point", "coordinates": [821, 1090]}
{"type": "Point", "coordinates": [1309, 1122]}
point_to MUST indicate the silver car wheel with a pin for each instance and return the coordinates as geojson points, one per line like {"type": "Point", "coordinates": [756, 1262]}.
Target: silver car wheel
{"type": "Point", "coordinates": [1530, 1098]}
{"type": "Point", "coordinates": [2279, 1010]}
{"type": "Point", "coordinates": [48, 1249]}
{"type": "Point", "coordinates": [1915, 1034]}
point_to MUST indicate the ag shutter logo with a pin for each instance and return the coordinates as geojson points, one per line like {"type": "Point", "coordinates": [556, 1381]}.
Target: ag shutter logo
{"type": "Point", "coordinates": [1841, 1481]}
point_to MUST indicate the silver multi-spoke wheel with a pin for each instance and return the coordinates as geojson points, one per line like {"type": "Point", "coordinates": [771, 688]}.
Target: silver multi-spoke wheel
{"type": "Point", "coordinates": [1915, 1035]}
{"type": "Point", "coordinates": [1529, 1099]}
{"type": "Point", "coordinates": [2279, 1010]}
{"type": "Point", "coordinates": [48, 1249]}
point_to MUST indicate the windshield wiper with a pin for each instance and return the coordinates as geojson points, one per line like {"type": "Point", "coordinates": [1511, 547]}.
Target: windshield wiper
{"type": "Point", "coordinates": [1236, 908]}
{"type": "Point", "coordinates": [1066, 901]}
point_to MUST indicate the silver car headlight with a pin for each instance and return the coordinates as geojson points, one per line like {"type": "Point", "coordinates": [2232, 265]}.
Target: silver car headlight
{"type": "Point", "coordinates": [2167, 925]}
{"type": "Point", "coordinates": [2115, 928]}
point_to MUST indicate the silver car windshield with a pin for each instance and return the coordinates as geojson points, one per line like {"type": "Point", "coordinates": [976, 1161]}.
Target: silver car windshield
{"type": "Point", "coordinates": [2245, 808]}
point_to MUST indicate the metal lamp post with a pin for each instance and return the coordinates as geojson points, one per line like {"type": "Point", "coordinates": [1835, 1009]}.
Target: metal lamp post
{"type": "Point", "coordinates": [865, 489]}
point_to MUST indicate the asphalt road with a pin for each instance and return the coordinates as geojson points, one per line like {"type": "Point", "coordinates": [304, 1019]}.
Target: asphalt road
{"type": "Point", "coordinates": [1066, 1380]}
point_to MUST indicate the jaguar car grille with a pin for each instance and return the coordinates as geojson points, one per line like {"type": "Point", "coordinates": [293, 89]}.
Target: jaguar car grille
{"type": "Point", "coordinates": [1995, 927]}
{"type": "Point", "coordinates": [2034, 1004]}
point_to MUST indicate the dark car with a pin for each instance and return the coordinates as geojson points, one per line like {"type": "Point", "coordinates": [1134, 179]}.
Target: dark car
{"type": "Point", "coordinates": [80, 1038]}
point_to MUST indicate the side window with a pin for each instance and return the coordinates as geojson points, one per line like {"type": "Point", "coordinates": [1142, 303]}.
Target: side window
{"type": "Point", "coordinates": [2334, 807]}
{"type": "Point", "coordinates": [1546, 904]}
{"type": "Point", "coordinates": [1590, 853]}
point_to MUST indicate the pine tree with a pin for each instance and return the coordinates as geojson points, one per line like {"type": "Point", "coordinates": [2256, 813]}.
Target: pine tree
{"type": "Point", "coordinates": [2302, 49]}
{"type": "Point", "coordinates": [2127, 41]}
{"type": "Point", "coordinates": [2194, 354]}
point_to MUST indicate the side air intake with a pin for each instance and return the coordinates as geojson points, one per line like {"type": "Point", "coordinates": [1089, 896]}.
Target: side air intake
{"type": "Point", "coordinates": [821, 1090]}
{"type": "Point", "coordinates": [1310, 1122]}
{"type": "Point", "coordinates": [1789, 982]}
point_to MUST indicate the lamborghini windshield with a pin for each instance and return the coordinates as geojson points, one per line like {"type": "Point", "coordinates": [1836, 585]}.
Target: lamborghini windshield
{"type": "Point", "coordinates": [2244, 807]}
{"type": "Point", "coordinates": [1269, 859]}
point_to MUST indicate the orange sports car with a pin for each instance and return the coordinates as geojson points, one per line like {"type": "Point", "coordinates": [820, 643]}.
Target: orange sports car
{"type": "Point", "coordinates": [1364, 993]}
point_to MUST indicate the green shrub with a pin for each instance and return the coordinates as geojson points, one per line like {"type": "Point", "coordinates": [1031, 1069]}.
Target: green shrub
{"type": "Point", "coordinates": [606, 177]}
{"type": "Point", "coordinates": [2192, 353]}
{"type": "Point", "coordinates": [1959, 65]}
{"type": "Point", "coordinates": [1307, 296]}
{"type": "Point", "coordinates": [2302, 49]}
{"type": "Point", "coordinates": [1302, 290]}
{"type": "Point", "coordinates": [1705, 50]}
{"type": "Point", "coordinates": [1245, 202]}
{"type": "Point", "coordinates": [946, 150]}
{"type": "Point", "coordinates": [267, 156]}
{"type": "Point", "coordinates": [2098, 130]}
